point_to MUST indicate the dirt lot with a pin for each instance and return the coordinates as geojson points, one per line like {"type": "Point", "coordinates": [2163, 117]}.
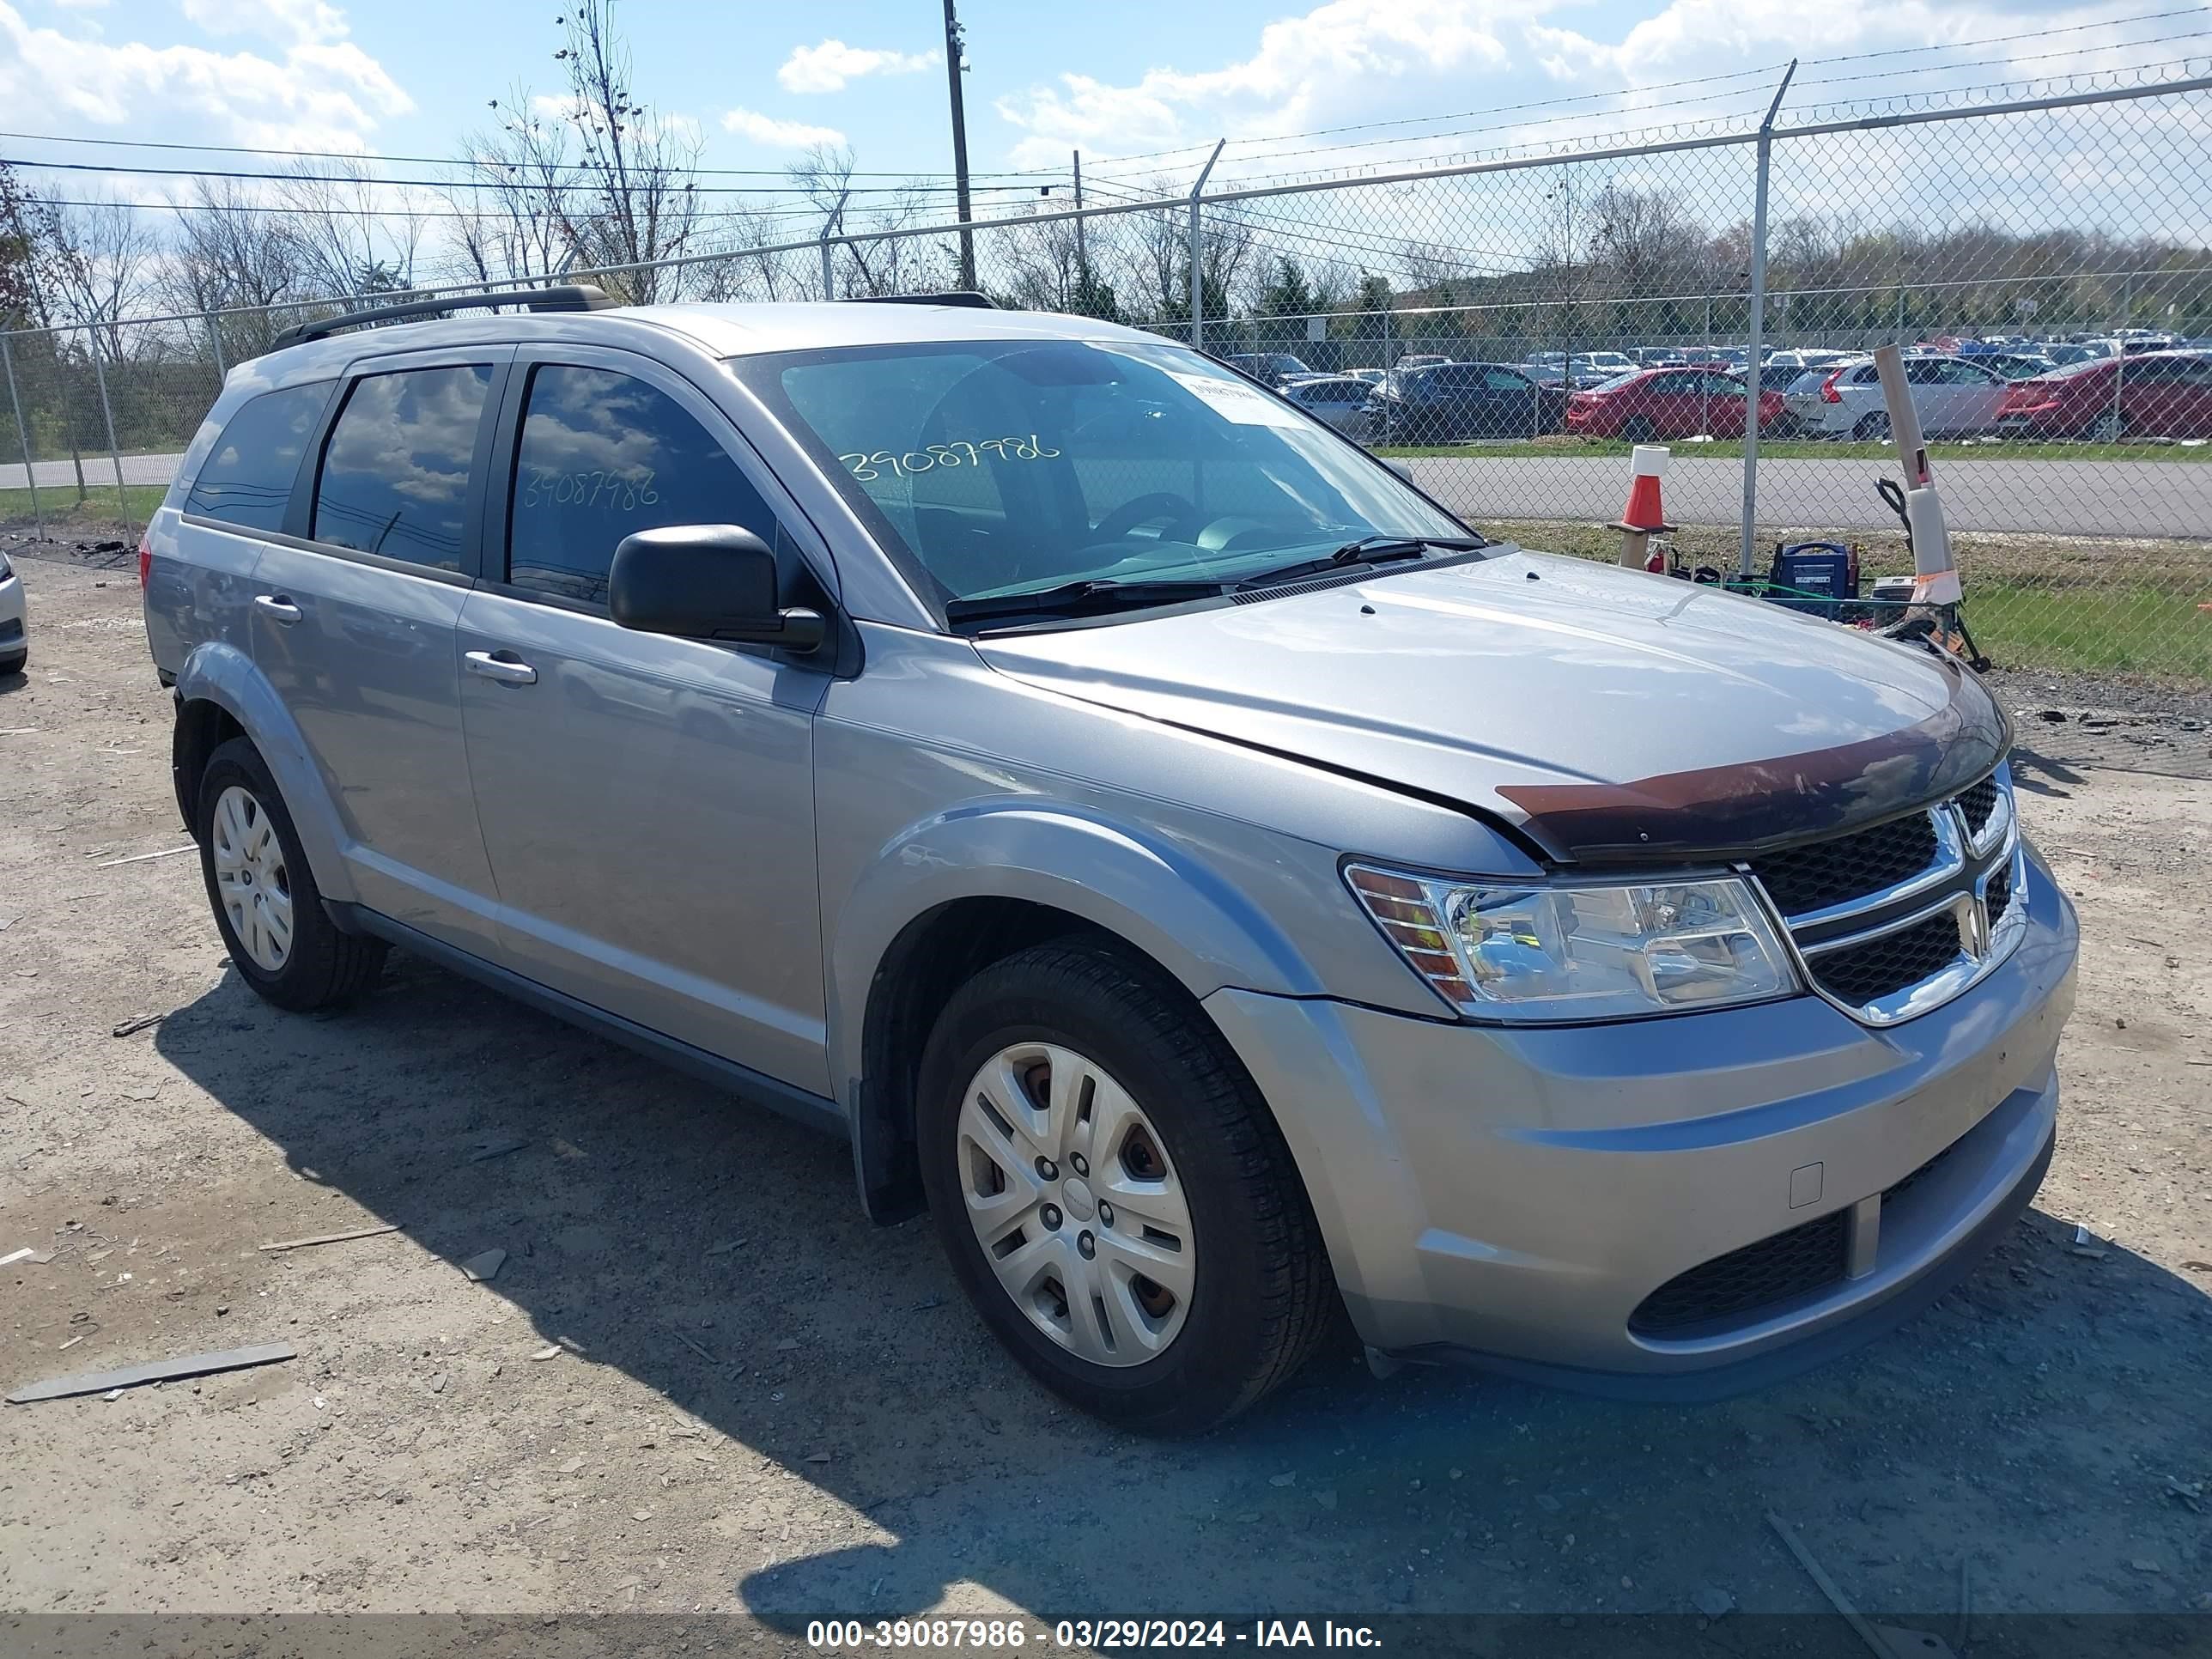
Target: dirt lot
{"type": "Point", "coordinates": [700, 1381]}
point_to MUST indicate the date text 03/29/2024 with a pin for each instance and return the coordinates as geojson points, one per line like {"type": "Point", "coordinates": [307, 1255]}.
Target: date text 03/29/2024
{"type": "Point", "coordinates": [1094, 1635]}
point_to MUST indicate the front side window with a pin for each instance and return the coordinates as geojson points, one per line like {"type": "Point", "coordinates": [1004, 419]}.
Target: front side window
{"type": "Point", "coordinates": [992, 467]}
{"type": "Point", "coordinates": [395, 475]}
{"type": "Point", "coordinates": [248, 475]}
{"type": "Point", "coordinates": [602, 456]}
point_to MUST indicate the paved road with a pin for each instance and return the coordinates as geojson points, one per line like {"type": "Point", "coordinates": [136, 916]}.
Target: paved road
{"type": "Point", "coordinates": [2067, 498]}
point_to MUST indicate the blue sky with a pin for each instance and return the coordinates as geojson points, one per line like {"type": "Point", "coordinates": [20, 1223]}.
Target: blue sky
{"type": "Point", "coordinates": [1128, 77]}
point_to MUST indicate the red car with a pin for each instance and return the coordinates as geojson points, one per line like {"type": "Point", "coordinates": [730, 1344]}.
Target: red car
{"type": "Point", "coordinates": [2158, 394]}
{"type": "Point", "coordinates": [1669, 402]}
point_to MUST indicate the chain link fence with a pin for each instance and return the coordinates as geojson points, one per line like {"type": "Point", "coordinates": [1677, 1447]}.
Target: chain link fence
{"type": "Point", "coordinates": [1509, 326]}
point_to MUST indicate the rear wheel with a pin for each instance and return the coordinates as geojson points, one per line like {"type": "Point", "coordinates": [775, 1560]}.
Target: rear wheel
{"type": "Point", "coordinates": [1115, 1197]}
{"type": "Point", "coordinates": [15, 664]}
{"type": "Point", "coordinates": [1872, 428]}
{"type": "Point", "coordinates": [266, 904]}
{"type": "Point", "coordinates": [2108, 428]}
{"type": "Point", "coordinates": [1637, 430]}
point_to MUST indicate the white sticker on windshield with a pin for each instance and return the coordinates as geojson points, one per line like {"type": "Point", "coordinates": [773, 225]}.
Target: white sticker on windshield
{"type": "Point", "coordinates": [1245, 404]}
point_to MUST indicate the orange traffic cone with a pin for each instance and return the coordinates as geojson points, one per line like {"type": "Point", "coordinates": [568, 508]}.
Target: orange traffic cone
{"type": "Point", "coordinates": [1646, 463]}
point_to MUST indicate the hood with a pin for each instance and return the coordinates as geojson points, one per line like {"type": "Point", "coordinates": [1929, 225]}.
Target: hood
{"type": "Point", "coordinates": [1608, 714]}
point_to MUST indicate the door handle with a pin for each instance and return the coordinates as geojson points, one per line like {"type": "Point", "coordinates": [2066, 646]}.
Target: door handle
{"type": "Point", "coordinates": [277, 608]}
{"type": "Point", "coordinates": [502, 666]}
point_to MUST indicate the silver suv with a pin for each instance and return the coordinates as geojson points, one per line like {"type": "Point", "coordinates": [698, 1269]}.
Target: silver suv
{"type": "Point", "coordinates": [1215, 882]}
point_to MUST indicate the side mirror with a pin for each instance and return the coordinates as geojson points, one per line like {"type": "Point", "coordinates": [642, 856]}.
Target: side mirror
{"type": "Point", "coordinates": [705, 581]}
{"type": "Point", "coordinates": [1401, 470]}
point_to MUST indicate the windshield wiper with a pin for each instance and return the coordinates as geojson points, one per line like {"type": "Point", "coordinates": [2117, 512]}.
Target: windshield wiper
{"type": "Point", "coordinates": [1089, 595]}
{"type": "Point", "coordinates": [1379, 549]}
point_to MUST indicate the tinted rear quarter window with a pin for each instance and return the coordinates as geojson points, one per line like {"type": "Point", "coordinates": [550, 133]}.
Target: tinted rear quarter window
{"type": "Point", "coordinates": [395, 475]}
{"type": "Point", "coordinates": [247, 477]}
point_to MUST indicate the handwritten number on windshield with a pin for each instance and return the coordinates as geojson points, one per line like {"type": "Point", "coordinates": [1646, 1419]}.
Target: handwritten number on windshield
{"type": "Point", "coordinates": [864, 467]}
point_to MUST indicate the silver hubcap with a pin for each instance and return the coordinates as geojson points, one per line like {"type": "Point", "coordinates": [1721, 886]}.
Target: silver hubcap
{"type": "Point", "coordinates": [1078, 1209]}
{"type": "Point", "coordinates": [249, 879]}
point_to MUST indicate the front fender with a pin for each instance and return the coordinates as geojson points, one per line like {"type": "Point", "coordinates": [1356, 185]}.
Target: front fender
{"type": "Point", "coordinates": [1155, 892]}
{"type": "Point", "coordinates": [219, 672]}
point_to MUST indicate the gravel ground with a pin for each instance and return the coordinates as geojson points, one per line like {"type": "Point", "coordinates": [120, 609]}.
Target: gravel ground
{"type": "Point", "coordinates": [700, 1381]}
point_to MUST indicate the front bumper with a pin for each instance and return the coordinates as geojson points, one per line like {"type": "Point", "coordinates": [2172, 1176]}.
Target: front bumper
{"type": "Point", "coordinates": [12, 615]}
{"type": "Point", "coordinates": [1516, 1196]}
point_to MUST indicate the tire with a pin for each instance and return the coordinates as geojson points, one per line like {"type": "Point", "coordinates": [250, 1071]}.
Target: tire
{"type": "Point", "coordinates": [2107, 429]}
{"type": "Point", "coordinates": [244, 831]}
{"type": "Point", "coordinates": [1258, 1292]}
{"type": "Point", "coordinates": [1872, 428]}
{"type": "Point", "coordinates": [1637, 430]}
{"type": "Point", "coordinates": [15, 664]}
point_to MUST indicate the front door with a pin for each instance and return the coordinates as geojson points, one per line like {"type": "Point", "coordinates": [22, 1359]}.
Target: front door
{"type": "Point", "coordinates": [353, 627]}
{"type": "Point", "coordinates": [647, 802]}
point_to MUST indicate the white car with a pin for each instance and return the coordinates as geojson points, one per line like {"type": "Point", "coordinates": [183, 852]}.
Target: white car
{"type": "Point", "coordinates": [1797, 363]}
{"type": "Point", "coordinates": [15, 640]}
{"type": "Point", "coordinates": [1952, 395]}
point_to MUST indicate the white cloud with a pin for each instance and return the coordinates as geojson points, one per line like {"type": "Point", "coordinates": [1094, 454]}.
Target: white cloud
{"type": "Point", "coordinates": [320, 91]}
{"type": "Point", "coordinates": [276, 19]}
{"type": "Point", "coordinates": [828, 66]}
{"type": "Point", "coordinates": [778, 134]}
{"type": "Point", "coordinates": [1356, 63]}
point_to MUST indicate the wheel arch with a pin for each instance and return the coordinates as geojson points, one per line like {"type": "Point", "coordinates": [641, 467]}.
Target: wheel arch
{"type": "Point", "coordinates": [220, 695]}
{"type": "Point", "coordinates": [953, 895]}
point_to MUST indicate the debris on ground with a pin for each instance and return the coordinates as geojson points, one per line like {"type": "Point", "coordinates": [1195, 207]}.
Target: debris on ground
{"type": "Point", "coordinates": [161, 1371]}
{"type": "Point", "coordinates": [332, 1238]}
{"type": "Point", "coordinates": [550, 1351]}
{"type": "Point", "coordinates": [1712, 1600]}
{"type": "Point", "coordinates": [141, 857]}
{"type": "Point", "coordinates": [486, 1151]}
{"type": "Point", "coordinates": [37, 1258]}
{"type": "Point", "coordinates": [1867, 1633]}
{"type": "Point", "coordinates": [132, 1027]}
{"type": "Point", "coordinates": [485, 1268]}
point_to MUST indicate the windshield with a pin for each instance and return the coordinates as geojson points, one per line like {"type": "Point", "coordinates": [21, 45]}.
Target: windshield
{"type": "Point", "coordinates": [999, 467]}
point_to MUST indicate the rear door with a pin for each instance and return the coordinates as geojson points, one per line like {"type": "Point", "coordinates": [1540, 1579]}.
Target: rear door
{"type": "Point", "coordinates": [647, 802]}
{"type": "Point", "coordinates": [353, 619]}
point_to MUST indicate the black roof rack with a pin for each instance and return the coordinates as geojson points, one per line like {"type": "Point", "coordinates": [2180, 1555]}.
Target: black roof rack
{"type": "Point", "coordinates": [562, 296]}
{"type": "Point", "coordinates": [959, 296]}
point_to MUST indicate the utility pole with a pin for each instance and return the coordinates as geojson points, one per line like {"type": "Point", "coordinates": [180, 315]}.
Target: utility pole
{"type": "Point", "coordinates": [1197, 248]}
{"type": "Point", "coordinates": [954, 63]}
{"type": "Point", "coordinates": [1082, 251]}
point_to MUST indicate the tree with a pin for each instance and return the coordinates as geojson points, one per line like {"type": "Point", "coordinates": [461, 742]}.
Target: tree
{"type": "Point", "coordinates": [346, 239]}
{"type": "Point", "coordinates": [512, 202]}
{"type": "Point", "coordinates": [231, 254]}
{"type": "Point", "coordinates": [638, 201]}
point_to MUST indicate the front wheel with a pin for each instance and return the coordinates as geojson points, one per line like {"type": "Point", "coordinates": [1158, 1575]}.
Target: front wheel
{"type": "Point", "coordinates": [2107, 429]}
{"type": "Point", "coordinates": [1637, 430]}
{"type": "Point", "coordinates": [1114, 1194]}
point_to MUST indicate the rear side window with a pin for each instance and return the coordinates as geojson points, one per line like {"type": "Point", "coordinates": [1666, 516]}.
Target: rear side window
{"type": "Point", "coordinates": [395, 476]}
{"type": "Point", "coordinates": [248, 474]}
{"type": "Point", "coordinates": [602, 457]}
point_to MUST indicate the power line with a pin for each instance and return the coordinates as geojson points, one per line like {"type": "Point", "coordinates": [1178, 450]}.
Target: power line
{"type": "Point", "coordinates": [468, 160]}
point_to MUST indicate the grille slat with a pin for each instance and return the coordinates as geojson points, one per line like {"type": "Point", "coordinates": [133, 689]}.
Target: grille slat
{"type": "Point", "coordinates": [1789, 1264]}
{"type": "Point", "coordinates": [1860, 974]}
{"type": "Point", "coordinates": [1812, 878]}
{"type": "Point", "coordinates": [1979, 802]}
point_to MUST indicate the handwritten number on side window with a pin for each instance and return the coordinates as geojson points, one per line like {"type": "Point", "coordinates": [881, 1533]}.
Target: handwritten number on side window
{"type": "Point", "coordinates": [863, 465]}
{"type": "Point", "coordinates": [622, 491]}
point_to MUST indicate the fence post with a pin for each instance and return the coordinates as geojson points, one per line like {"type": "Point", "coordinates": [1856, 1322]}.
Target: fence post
{"type": "Point", "coordinates": [2120, 353]}
{"type": "Point", "coordinates": [1705, 376]}
{"type": "Point", "coordinates": [107, 414]}
{"type": "Point", "coordinates": [1197, 265]}
{"type": "Point", "coordinates": [1758, 328]}
{"type": "Point", "coordinates": [23, 436]}
{"type": "Point", "coordinates": [214, 339]}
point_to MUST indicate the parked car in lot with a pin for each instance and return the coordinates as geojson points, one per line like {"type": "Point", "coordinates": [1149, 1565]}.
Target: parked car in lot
{"type": "Point", "coordinates": [1783, 366]}
{"type": "Point", "coordinates": [1953, 397]}
{"type": "Point", "coordinates": [1337, 400]}
{"type": "Point", "coordinates": [1270, 368]}
{"type": "Point", "coordinates": [2160, 394]}
{"type": "Point", "coordinates": [14, 621]}
{"type": "Point", "coordinates": [1372, 376]}
{"type": "Point", "coordinates": [1450, 403]}
{"type": "Point", "coordinates": [1211, 879]}
{"type": "Point", "coordinates": [1667, 402]}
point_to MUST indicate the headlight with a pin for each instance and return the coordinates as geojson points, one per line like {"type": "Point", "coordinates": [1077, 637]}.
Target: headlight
{"type": "Point", "coordinates": [6, 569]}
{"type": "Point", "coordinates": [1537, 953]}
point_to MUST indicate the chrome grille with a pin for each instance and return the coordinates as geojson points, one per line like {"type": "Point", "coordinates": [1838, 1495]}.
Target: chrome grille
{"type": "Point", "coordinates": [1896, 920]}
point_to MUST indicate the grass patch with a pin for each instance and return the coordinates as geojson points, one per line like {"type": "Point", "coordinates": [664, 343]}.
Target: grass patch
{"type": "Point", "coordinates": [2065, 604]}
{"type": "Point", "coordinates": [1801, 449]}
{"type": "Point", "coordinates": [65, 514]}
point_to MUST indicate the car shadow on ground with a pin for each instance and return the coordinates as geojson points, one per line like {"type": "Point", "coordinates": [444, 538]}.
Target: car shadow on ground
{"type": "Point", "coordinates": [715, 1254]}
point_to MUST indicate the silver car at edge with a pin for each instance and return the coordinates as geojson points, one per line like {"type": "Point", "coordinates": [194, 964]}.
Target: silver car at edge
{"type": "Point", "coordinates": [1168, 847]}
{"type": "Point", "coordinates": [14, 622]}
